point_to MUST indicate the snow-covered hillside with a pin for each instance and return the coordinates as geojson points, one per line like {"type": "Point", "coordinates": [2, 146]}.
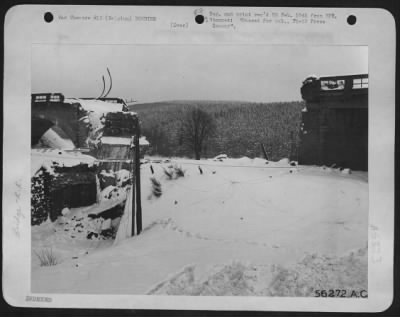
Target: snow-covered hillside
{"type": "Point", "coordinates": [231, 227]}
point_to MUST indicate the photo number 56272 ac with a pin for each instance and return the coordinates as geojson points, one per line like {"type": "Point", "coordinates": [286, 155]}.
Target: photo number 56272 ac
{"type": "Point", "coordinates": [341, 293]}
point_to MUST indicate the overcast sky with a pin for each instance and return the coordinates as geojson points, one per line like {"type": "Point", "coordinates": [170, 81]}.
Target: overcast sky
{"type": "Point", "coordinates": [153, 73]}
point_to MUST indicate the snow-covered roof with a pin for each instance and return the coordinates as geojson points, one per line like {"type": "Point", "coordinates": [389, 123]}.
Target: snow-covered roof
{"type": "Point", "coordinates": [47, 157]}
{"type": "Point", "coordinates": [143, 141]}
{"type": "Point", "coordinates": [122, 141]}
{"type": "Point", "coordinates": [96, 105]}
{"type": "Point", "coordinates": [115, 140]}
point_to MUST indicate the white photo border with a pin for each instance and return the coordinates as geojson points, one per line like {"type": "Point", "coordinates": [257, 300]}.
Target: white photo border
{"type": "Point", "coordinates": [24, 26]}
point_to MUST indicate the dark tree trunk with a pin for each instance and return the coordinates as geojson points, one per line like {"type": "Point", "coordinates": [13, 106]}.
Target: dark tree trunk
{"type": "Point", "coordinates": [197, 127]}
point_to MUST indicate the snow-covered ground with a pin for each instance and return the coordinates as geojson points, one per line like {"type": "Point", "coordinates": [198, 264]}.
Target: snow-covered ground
{"type": "Point", "coordinates": [241, 227]}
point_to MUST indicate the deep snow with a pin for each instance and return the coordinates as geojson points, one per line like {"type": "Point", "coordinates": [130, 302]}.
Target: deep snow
{"type": "Point", "coordinates": [265, 228]}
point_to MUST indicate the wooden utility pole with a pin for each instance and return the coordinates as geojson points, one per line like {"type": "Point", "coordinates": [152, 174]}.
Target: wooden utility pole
{"type": "Point", "coordinates": [133, 150]}
{"type": "Point", "coordinates": [78, 143]}
{"type": "Point", "coordinates": [137, 172]}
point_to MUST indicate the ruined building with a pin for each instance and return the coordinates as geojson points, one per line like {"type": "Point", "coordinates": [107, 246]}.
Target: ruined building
{"type": "Point", "coordinates": [334, 126]}
{"type": "Point", "coordinates": [62, 130]}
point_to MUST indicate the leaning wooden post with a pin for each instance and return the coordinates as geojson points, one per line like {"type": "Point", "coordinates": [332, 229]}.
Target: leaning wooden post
{"type": "Point", "coordinates": [133, 185]}
{"type": "Point", "coordinates": [264, 151]}
{"type": "Point", "coordinates": [137, 170]}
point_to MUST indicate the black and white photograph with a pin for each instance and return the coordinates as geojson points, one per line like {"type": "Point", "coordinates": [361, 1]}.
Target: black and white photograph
{"type": "Point", "coordinates": [218, 158]}
{"type": "Point", "coordinates": [200, 170]}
